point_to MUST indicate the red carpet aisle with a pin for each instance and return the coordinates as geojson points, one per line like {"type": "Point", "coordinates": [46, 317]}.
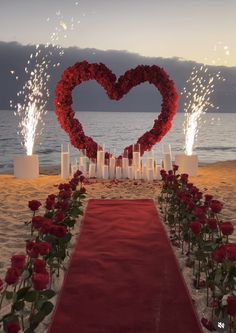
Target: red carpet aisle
{"type": "Point", "coordinates": [123, 277]}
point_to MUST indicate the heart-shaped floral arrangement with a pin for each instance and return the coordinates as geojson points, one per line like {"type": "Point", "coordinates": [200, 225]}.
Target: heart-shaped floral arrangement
{"type": "Point", "coordinates": [115, 89]}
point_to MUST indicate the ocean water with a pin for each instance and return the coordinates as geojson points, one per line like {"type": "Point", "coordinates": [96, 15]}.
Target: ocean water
{"type": "Point", "coordinates": [216, 137]}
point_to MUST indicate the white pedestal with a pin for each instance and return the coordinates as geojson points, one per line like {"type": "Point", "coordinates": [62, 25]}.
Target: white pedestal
{"type": "Point", "coordinates": [167, 161]}
{"type": "Point", "coordinates": [92, 170]}
{"type": "Point", "coordinates": [187, 164]}
{"type": "Point", "coordinates": [26, 167]}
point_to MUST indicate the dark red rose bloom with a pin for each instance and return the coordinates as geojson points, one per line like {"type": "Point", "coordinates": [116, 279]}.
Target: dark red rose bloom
{"type": "Point", "coordinates": [195, 227]}
{"type": "Point", "coordinates": [184, 178]}
{"type": "Point", "coordinates": [190, 205]}
{"type": "Point", "coordinates": [175, 167]}
{"type": "Point", "coordinates": [12, 275]}
{"type": "Point", "coordinates": [29, 245]}
{"type": "Point", "coordinates": [208, 197]}
{"type": "Point", "coordinates": [208, 324]}
{"type": "Point", "coordinates": [50, 202]}
{"type": "Point", "coordinates": [212, 224]}
{"type": "Point", "coordinates": [231, 251]}
{"type": "Point", "coordinates": [81, 178]}
{"type": "Point", "coordinates": [231, 305]}
{"type": "Point", "coordinates": [37, 221]}
{"type": "Point", "coordinates": [60, 216]}
{"type": "Point", "coordinates": [64, 187]}
{"type": "Point", "coordinates": [58, 231]}
{"type": "Point", "coordinates": [200, 212]}
{"type": "Point", "coordinates": [77, 174]}
{"type": "Point", "coordinates": [46, 226]}
{"type": "Point", "coordinates": [12, 327]}
{"type": "Point", "coordinates": [1, 285]}
{"type": "Point", "coordinates": [63, 205]}
{"type": "Point", "coordinates": [40, 281]}
{"type": "Point", "coordinates": [65, 194]}
{"type": "Point", "coordinates": [227, 228]}
{"type": "Point", "coordinates": [219, 255]}
{"type": "Point", "coordinates": [82, 190]}
{"type": "Point", "coordinates": [34, 205]}
{"type": "Point", "coordinates": [216, 206]}
{"type": "Point", "coordinates": [39, 266]}
{"type": "Point", "coordinates": [44, 248]}
{"type": "Point", "coordinates": [18, 261]}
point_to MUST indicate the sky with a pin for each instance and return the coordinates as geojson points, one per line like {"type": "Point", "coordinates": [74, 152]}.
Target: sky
{"type": "Point", "coordinates": [198, 30]}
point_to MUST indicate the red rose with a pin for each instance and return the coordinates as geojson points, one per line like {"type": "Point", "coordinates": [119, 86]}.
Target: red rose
{"type": "Point", "coordinates": [50, 201]}
{"type": "Point", "coordinates": [208, 197]}
{"type": "Point", "coordinates": [39, 266]}
{"type": "Point", "coordinates": [12, 327]}
{"type": "Point", "coordinates": [175, 167]}
{"type": "Point", "coordinates": [60, 216]}
{"type": "Point", "coordinates": [82, 190]}
{"type": "Point", "coordinates": [219, 255]}
{"type": "Point", "coordinates": [34, 205]}
{"type": "Point", "coordinates": [63, 205]}
{"type": "Point", "coordinates": [12, 275]}
{"type": "Point", "coordinates": [208, 324]}
{"type": "Point", "coordinates": [231, 251]}
{"type": "Point", "coordinates": [77, 173]}
{"type": "Point", "coordinates": [184, 178]}
{"type": "Point", "coordinates": [44, 248]}
{"type": "Point", "coordinates": [65, 194]}
{"type": "Point", "coordinates": [196, 227]}
{"type": "Point", "coordinates": [227, 228]}
{"type": "Point", "coordinates": [81, 178]}
{"type": "Point", "coordinates": [29, 245]}
{"type": "Point", "coordinates": [1, 285]}
{"type": "Point", "coordinates": [216, 206]}
{"type": "Point", "coordinates": [37, 221]}
{"type": "Point", "coordinates": [46, 226]}
{"type": "Point", "coordinates": [212, 224]}
{"type": "Point", "coordinates": [231, 305]}
{"type": "Point", "coordinates": [40, 280]}
{"type": "Point", "coordinates": [18, 261]}
{"type": "Point", "coordinates": [58, 231]}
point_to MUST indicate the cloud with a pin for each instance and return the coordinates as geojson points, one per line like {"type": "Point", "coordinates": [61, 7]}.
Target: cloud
{"type": "Point", "coordinates": [91, 97]}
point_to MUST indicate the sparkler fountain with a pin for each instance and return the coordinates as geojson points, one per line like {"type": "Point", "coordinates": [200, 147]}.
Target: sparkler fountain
{"type": "Point", "coordinates": [200, 86]}
{"type": "Point", "coordinates": [34, 96]}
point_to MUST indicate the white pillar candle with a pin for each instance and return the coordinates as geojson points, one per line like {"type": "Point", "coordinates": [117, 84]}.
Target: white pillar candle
{"type": "Point", "coordinates": [118, 172]}
{"type": "Point", "coordinates": [136, 159]}
{"type": "Point", "coordinates": [105, 171]}
{"type": "Point", "coordinates": [65, 165]}
{"type": "Point", "coordinates": [137, 174]}
{"type": "Point", "coordinates": [112, 164]}
{"type": "Point", "coordinates": [130, 172]}
{"type": "Point", "coordinates": [83, 161]}
{"type": "Point", "coordinates": [144, 172]}
{"type": "Point", "coordinates": [150, 163]}
{"type": "Point", "coordinates": [100, 162]}
{"type": "Point", "coordinates": [150, 174]}
{"type": "Point", "coordinates": [92, 170]}
{"type": "Point", "coordinates": [158, 172]}
{"type": "Point", "coordinates": [167, 161]}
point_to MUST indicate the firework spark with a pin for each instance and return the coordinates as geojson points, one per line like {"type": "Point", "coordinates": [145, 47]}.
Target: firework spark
{"type": "Point", "coordinates": [198, 91]}
{"type": "Point", "coordinates": [32, 98]}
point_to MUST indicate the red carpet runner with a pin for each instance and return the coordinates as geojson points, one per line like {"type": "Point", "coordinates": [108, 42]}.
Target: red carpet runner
{"type": "Point", "coordinates": [123, 276]}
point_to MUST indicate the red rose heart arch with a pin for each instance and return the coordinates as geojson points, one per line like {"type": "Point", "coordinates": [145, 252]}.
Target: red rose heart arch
{"type": "Point", "coordinates": [115, 89]}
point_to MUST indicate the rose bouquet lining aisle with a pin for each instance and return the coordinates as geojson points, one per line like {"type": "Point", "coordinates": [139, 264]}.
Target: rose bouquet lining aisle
{"type": "Point", "coordinates": [197, 228]}
{"type": "Point", "coordinates": [28, 288]}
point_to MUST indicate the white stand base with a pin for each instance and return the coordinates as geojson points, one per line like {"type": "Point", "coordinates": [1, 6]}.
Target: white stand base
{"type": "Point", "coordinates": [187, 164]}
{"type": "Point", "coordinates": [26, 167]}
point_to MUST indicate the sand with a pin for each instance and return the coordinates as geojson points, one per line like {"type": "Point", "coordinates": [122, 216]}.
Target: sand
{"type": "Point", "coordinates": [218, 179]}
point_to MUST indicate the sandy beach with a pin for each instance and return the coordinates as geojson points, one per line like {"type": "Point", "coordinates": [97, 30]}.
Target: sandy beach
{"type": "Point", "coordinates": [218, 179]}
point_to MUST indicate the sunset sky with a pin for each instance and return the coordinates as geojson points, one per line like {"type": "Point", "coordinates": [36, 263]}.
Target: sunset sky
{"type": "Point", "coordinates": [188, 29]}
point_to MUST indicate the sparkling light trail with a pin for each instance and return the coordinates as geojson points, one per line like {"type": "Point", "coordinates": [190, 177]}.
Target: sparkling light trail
{"type": "Point", "coordinates": [32, 98]}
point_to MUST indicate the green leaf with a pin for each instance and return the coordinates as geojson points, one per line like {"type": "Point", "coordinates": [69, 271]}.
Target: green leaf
{"type": "Point", "coordinates": [9, 294]}
{"type": "Point", "coordinates": [21, 293]}
{"type": "Point", "coordinates": [30, 296]}
{"type": "Point", "coordinates": [47, 308]}
{"type": "Point", "coordinates": [49, 215]}
{"type": "Point", "coordinates": [48, 293]}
